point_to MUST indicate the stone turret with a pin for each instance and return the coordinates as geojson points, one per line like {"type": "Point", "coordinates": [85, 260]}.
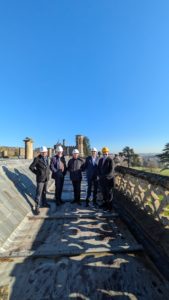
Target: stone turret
{"type": "Point", "coordinates": [80, 144]}
{"type": "Point", "coordinates": [50, 152]}
{"type": "Point", "coordinates": [28, 148]}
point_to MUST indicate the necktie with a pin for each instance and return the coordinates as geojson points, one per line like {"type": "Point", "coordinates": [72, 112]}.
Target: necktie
{"type": "Point", "coordinates": [45, 161]}
{"type": "Point", "coordinates": [104, 158]}
{"type": "Point", "coordinates": [58, 164]}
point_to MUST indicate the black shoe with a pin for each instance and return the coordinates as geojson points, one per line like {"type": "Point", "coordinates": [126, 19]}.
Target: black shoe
{"type": "Point", "coordinates": [87, 202]}
{"type": "Point", "coordinates": [106, 208]}
{"type": "Point", "coordinates": [45, 205]}
{"type": "Point", "coordinates": [37, 211]}
{"type": "Point", "coordinates": [109, 206]}
{"type": "Point", "coordinates": [74, 201]}
{"type": "Point", "coordinates": [103, 206]}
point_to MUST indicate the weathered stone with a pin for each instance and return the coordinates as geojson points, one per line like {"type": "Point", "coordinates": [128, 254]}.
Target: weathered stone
{"type": "Point", "coordinates": [80, 144]}
{"type": "Point", "coordinates": [28, 148]}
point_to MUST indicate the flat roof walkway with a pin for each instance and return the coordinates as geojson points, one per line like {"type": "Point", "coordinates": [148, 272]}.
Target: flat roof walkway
{"type": "Point", "coordinates": [73, 252]}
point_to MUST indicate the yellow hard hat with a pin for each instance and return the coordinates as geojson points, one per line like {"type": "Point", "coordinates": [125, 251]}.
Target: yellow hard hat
{"type": "Point", "coordinates": [105, 150]}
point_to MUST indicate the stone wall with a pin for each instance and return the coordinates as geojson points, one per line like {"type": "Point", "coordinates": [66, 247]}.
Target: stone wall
{"type": "Point", "coordinates": [17, 193]}
{"type": "Point", "coordinates": [68, 150]}
{"type": "Point", "coordinates": [148, 191]}
{"type": "Point", "coordinates": [11, 151]}
{"type": "Point", "coordinates": [144, 198]}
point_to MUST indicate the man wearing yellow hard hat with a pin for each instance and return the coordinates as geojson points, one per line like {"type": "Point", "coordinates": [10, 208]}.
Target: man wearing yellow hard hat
{"type": "Point", "coordinates": [105, 172]}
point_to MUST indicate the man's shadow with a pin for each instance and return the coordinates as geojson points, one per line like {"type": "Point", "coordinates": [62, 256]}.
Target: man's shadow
{"type": "Point", "coordinates": [23, 184]}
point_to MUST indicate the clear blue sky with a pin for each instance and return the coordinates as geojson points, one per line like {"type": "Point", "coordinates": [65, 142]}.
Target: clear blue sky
{"type": "Point", "coordinates": [98, 68]}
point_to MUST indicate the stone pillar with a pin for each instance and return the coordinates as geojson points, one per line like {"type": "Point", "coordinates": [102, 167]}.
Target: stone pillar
{"type": "Point", "coordinates": [21, 152]}
{"type": "Point", "coordinates": [28, 148]}
{"type": "Point", "coordinates": [50, 152]}
{"type": "Point", "coordinates": [5, 153]}
{"type": "Point", "coordinates": [80, 144]}
{"type": "Point", "coordinates": [68, 151]}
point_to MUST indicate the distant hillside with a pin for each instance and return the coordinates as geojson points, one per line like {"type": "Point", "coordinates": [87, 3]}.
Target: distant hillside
{"type": "Point", "coordinates": [148, 154]}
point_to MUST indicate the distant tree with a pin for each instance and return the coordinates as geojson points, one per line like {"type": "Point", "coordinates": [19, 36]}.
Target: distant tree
{"type": "Point", "coordinates": [86, 145]}
{"type": "Point", "coordinates": [121, 153]}
{"type": "Point", "coordinates": [164, 157]}
{"type": "Point", "coordinates": [145, 163]}
{"type": "Point", "coordinates": [136, 160]}
{"type": "Point", "coordinates": [151, 164]}
{"type": "Point", "coordinates": [131, 157]}
{"type": "Point", "coordinates": [99, 153]}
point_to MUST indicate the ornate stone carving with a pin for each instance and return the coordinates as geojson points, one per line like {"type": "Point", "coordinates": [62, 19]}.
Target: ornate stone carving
{"type": "Point", "coordinates": [149, 191]}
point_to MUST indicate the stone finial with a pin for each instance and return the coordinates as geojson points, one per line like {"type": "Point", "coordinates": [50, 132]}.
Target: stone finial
{"type": "Point", "coordinates": [28, 148]}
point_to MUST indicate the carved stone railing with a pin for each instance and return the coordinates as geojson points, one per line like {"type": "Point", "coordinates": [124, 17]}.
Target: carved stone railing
{"type": "Point", "coordinates": [142, 200]}
{"type": "Point", "coordinates": [147, 191]}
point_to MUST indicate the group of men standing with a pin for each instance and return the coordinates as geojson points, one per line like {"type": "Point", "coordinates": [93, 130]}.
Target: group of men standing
{"type": "Point", "coordinates": [99, 172]}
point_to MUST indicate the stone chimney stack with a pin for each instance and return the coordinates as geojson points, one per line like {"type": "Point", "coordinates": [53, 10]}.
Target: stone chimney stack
{"type": "Point", "coordinates": [50, 152]}
{"type": "Point", "coordinates": [80, 144]}
{"type": "Point", "coordinates": [28, 148]}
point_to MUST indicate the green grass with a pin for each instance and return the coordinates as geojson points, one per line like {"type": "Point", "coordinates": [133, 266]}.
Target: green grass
{"type": "Point", "coordinates": [153, 170]}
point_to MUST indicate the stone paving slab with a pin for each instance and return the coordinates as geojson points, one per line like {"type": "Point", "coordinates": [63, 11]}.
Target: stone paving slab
{"type": "Point", "coordinates": [94, 277]}
{"type": "Point", "coordinates": [66, 233]}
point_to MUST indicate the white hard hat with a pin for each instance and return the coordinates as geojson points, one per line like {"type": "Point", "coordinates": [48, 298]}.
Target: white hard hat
{"type": "Point", "coordinates": [94, 149]}
{"type": "Point", "coordinates": [59, 149]}
{"type": "Point", "coordinates": [75, 151]}
{"type": "Point", "coordinates": [43, 149]}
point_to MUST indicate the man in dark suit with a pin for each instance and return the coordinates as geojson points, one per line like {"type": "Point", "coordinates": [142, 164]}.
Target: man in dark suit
{"type": "Point", "coordinates": [75, 167]}
{"type": "Point", "coordinates": [105, 172]}
{"type": "Point", "coordinates": [91, 166]}
{"type": "Point", "coordinates": [58, 168]}
{"type": "Point", "coordinates": [40, 167]}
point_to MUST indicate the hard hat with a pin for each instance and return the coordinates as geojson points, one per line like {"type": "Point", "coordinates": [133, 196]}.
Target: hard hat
{"type": "Point", "coordinates": [75, 151]}
{"type": "Point", "coordinates": [105, 150]}
{"type": "Point", "coordinates": [94, 149]}
{"type": "Point", "coordinates": [59, 149]}
{"type": "Point", "coordinates": [43, 149]}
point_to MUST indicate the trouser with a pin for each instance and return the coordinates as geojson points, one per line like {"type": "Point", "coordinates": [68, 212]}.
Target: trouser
{"type": "Point", "coordinates": [76, 189]}
{"type": "Point", "coordinates": [107, 190]}
{"type": "Point", "coordinates": [59, 180]}
{"type": "Point", "coordinates": [90, 182]}
{"type": "Point", "coordinates": [40, 197]}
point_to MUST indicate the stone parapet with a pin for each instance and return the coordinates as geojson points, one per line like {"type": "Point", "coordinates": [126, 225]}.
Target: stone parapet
{"type": "Point", "coordinates": [145, 197]}
{"type": "Point", "coordinates": [148, 191]}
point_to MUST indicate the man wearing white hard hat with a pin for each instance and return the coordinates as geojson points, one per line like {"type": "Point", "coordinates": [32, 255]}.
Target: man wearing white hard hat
{"type": "Point", "coordinates": [40, 167]}
{"type": "Point", "coordinates": [91, 166]}
{"type": "Point", "coordinates": [58, 168]}
{"type": "Point", "coordinates": [75, 167]}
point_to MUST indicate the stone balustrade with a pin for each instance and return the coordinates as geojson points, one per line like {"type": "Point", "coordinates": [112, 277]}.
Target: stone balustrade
{"type": "Point", "coordinates": [142, 200]}
{"type": "Point", "coordinates": [149, 192]}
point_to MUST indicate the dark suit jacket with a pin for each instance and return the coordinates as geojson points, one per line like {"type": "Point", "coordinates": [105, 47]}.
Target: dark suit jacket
{"type": "Point", "coordinates": [91, 171]}
{"type": "Point", "coordinates": [53, 166]}
{"type": "Point", "coordinates": [75, 167]}
{"type": "Point", "coordinates": [39, 168]}
{"type": "Point", "coordinates": [105, 170]}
